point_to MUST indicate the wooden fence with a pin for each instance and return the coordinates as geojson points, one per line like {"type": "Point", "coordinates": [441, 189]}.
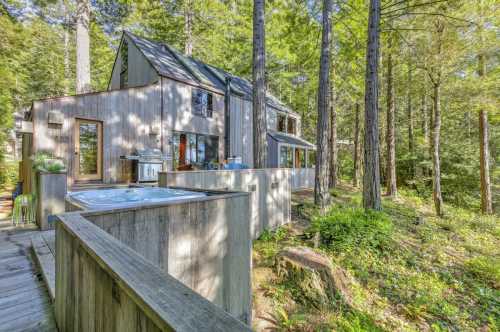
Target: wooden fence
{"type": "Point", "coordinates": [104, 285]}
{"type": "Point", "coordinates": [270, 191]}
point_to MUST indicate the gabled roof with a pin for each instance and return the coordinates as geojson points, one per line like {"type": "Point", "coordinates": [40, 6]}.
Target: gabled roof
{"type": "Point", "coordinates": [290, 139]}
{"type": "Point", "coordinates": [169, 62]}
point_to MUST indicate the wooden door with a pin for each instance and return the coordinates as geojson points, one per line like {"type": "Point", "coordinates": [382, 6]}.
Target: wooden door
{"type": "Point", "coordinates": [88, 150]}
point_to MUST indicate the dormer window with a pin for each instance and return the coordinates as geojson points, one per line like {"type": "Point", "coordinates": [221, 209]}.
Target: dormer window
{"type": "Point", "coordinates": [124, 65]}
{"type": "Point", "coordinates": [202, 103]}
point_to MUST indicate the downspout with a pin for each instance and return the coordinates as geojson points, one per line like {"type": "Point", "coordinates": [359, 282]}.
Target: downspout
{"type": "Point", "coordinates": [162, 140]}
{"type": "Point", "coordinates": [227, 118]}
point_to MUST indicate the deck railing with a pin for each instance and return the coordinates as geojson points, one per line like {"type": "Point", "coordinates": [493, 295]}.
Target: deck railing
{"type": "Point", "coordinates": [104, 285]}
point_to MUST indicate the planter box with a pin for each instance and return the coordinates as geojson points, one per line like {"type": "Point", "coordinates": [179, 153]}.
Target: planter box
{"type": "Point", "coordinates": [51, 195]}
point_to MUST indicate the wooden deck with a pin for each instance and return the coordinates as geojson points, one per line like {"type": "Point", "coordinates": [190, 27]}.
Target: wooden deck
{"type": "Point", "coordinates": [24, 302]}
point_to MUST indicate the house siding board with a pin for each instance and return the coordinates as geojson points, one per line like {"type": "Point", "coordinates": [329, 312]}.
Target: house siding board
{"type": "Point", "coordinates": [272, 148]}
{"type": "Point", "coordinates": [140, 70]}
{"type": "Point", "coordinates": [241, 133]}
{"type": "Point", "coordinates": [178, 116]}
{"type": "Point", "coordinates": [126, 116]}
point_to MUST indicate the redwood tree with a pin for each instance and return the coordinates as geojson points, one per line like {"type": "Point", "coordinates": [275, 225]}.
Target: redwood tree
{"type": "Point", "coordinates": [371, 176]}
{"type": "Point", "coordinates": [259, 86]}
{"type": "Point", "coordinates": [82, 46]}
{"type": "Point", "coordinates": [321, 193]}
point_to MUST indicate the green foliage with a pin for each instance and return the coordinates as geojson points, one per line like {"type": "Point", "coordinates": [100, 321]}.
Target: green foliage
{"type": "Point", "coordinates": [8, 173]}
{"type": "Point", "coordinates": [349, 228]}
{"type": "Point", "coordinates": [356, 321]}
{"type": "Point", "coordinates": [485, 268]}
{"type": "Point", "coordinates": [44, 162]}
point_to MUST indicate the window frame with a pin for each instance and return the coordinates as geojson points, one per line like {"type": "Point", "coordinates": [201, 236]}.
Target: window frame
{"type": "Point", "coordinates": [207, 109]}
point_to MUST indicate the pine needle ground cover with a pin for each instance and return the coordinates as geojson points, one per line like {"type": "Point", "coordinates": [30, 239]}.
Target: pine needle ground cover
{"type": "Point", "coordinates": [411, 271]}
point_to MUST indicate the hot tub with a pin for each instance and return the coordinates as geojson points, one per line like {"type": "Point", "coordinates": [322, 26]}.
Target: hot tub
{"type": "Point", "coordinates": [129, 197]}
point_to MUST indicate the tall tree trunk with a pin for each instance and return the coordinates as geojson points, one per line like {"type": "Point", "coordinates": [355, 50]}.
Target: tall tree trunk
{"type": "Point", "coordinates": [259, 86]}
{"type": "Point", "coordinates": [484, 152]}
{"type": "Point", "coordinates": [321, 193]}
{"type": "Point", "coordinates": [188, 27]}
{"type": "Point", "coordinates": [356, 153]}
{"type": "Point", "coordinates": [66, 36]}
{"type": "Point", "coordinates": [425, 117]}
{"type": "Point", "coordinates": [371, 176]}
{"type": "Point", "coordinates": [411, 142]}
{"type": "Point", "coordinates": [332, 182]}
{"type": "Point", "coordinates": [82, 46]}
{"type": "Point", "coordinates": [438, 199]}
{"type": "Point", "coordinates": [391, 137]}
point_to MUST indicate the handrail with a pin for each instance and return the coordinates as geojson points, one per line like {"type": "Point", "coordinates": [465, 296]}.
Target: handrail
{"type": "Point", "coordinates": [168, 303]}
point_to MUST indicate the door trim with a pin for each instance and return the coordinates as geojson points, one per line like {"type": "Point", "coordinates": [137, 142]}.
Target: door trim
{"type": "Point", "coordinates": [88, 177]}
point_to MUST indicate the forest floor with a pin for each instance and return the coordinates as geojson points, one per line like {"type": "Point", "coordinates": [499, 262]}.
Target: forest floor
{"type": "Point", "coordinates": [410, 270]}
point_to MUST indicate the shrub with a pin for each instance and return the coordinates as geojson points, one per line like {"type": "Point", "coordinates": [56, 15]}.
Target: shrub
{"type": "Point", "coordinates": [46, 163]}
{"type": "Point", "coordinates": [345, 229]}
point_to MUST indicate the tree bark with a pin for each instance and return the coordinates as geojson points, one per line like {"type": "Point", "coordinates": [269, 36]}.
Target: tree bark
{"type": "Point", "coordinates": [425, 118]}
{"type": "Point", "coordinates": [356, 153]}
{"type": "Point", "coordinates": [82, 46]}
{"type": "Point", "coordinates": [438, 199]}
{"type": "Point", "coordinates": [391, 137]}
{"type": "Point", "coordinates": [411, 142]}
{"type": "Point", "coordinates": [188, 27]}
{"type": "Point", "coordinates": [484, 152]}
{"type": "Point", "coordinates": [333, 176]}
{"type": "Point", "coordinates": [259, 86]}
{"type": "Point", "coordinates": [321, 193]}
{"type": "Point", "coordinates": [371, 176]}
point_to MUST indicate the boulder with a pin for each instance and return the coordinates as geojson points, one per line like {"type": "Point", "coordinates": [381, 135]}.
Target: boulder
{"type": "Point", "coordinates": [313, 278]}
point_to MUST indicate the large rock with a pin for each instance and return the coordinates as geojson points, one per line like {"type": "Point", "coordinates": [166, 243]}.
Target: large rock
{"type": "Point", "coordinates": [313, 278]}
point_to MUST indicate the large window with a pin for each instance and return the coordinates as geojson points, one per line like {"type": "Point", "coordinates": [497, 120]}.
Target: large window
{"type": "Point", "coordinates": [311, 158]}
{"type": "Point", "coordinates": [124, 65]}
{"type": "Point", "coordinates": [286, 157]}
{"type": "Point", "coordinates": [202, 103]}
{"type": "Point", "coordinates": [192, 151]}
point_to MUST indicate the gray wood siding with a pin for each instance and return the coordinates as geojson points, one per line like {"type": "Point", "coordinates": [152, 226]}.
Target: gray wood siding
{"type": "Point", "coordinates": [272, 153]}
{"type": "Point", "coordinates": [127, 116]}
{"type": "Point", "coordinates": [140, 71]}
{"type": "Point", "coordinates": [270, 191]}
{"type": "Point", "coordinates": [241, 130]}
{"type": "Point", "coordinates": [272, 118]}
{"type": "Point", "coordinates": [178, 115]}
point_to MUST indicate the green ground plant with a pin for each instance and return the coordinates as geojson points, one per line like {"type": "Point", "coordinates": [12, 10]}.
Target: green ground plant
{"type": "Point", "coordinates": [415, 271]}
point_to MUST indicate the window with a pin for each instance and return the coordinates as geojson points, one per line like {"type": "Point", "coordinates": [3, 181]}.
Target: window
{"type": "Point", "coordinates": [282, 123]}
{"type": "Point", "coordinates": [202, 103]}
{"type": "Point", "coordinates": [196, 150]}
{"type": "Point", "coordinates": [124, 65]}
{"type": "Point", "coordinates": [292, 125]}
{"type": "Point", "coordinates": [300, 158]}
{"type": "Point", "coordinates": [286, 157]}
{"type": "Point", "coordinates": [311, 158]}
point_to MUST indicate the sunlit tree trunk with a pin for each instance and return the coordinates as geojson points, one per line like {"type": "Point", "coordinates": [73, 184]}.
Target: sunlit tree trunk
{"type": "Point", "coordinates": [371, 176]}
{"type": "Point", "coordinates": [321, 193]}
{"type": "Point", "coordinates": [484, 152]}
{"type": "Point", "coordinates": [356, 152]}
{"type": "Point", "coordinates": [411, 141]}
{"type": "Point", "coordinates": [332, 183]}
{"type": "Point", "coordinates": [436, 162]}
{"type": "Point", "coordinates": [259, 86]}
{"type": "Point", "coordinates": [188, 27]}
{"type": "Point", "coordinates": [82, 46]}
{"type": "Point", "coordinates": [391, 137]}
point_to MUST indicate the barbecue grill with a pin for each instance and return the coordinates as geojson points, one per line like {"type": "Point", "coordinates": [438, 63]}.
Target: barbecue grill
{"type": "Point", "coordinates": [146, 164]}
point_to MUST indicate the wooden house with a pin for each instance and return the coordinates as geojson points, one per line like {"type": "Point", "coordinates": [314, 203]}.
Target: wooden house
{"type": "Point", "coordinates": [197, 115]}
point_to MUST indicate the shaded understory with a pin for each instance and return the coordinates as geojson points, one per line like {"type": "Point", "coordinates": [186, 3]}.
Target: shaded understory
{"type": "Point", "coordinates": [410, 270]}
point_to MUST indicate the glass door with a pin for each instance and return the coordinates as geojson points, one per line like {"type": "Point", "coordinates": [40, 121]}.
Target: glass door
{"type": "Point", "coordinates": [88, 150]}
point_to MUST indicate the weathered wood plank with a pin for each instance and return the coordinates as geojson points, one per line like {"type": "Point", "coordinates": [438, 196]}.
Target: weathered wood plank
{"type": "Point", "coordinates": [164, 300]}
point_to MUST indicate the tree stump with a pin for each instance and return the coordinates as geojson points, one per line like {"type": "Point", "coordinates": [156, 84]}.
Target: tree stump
{"type": "Point", "coordinates": [313, 278]}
